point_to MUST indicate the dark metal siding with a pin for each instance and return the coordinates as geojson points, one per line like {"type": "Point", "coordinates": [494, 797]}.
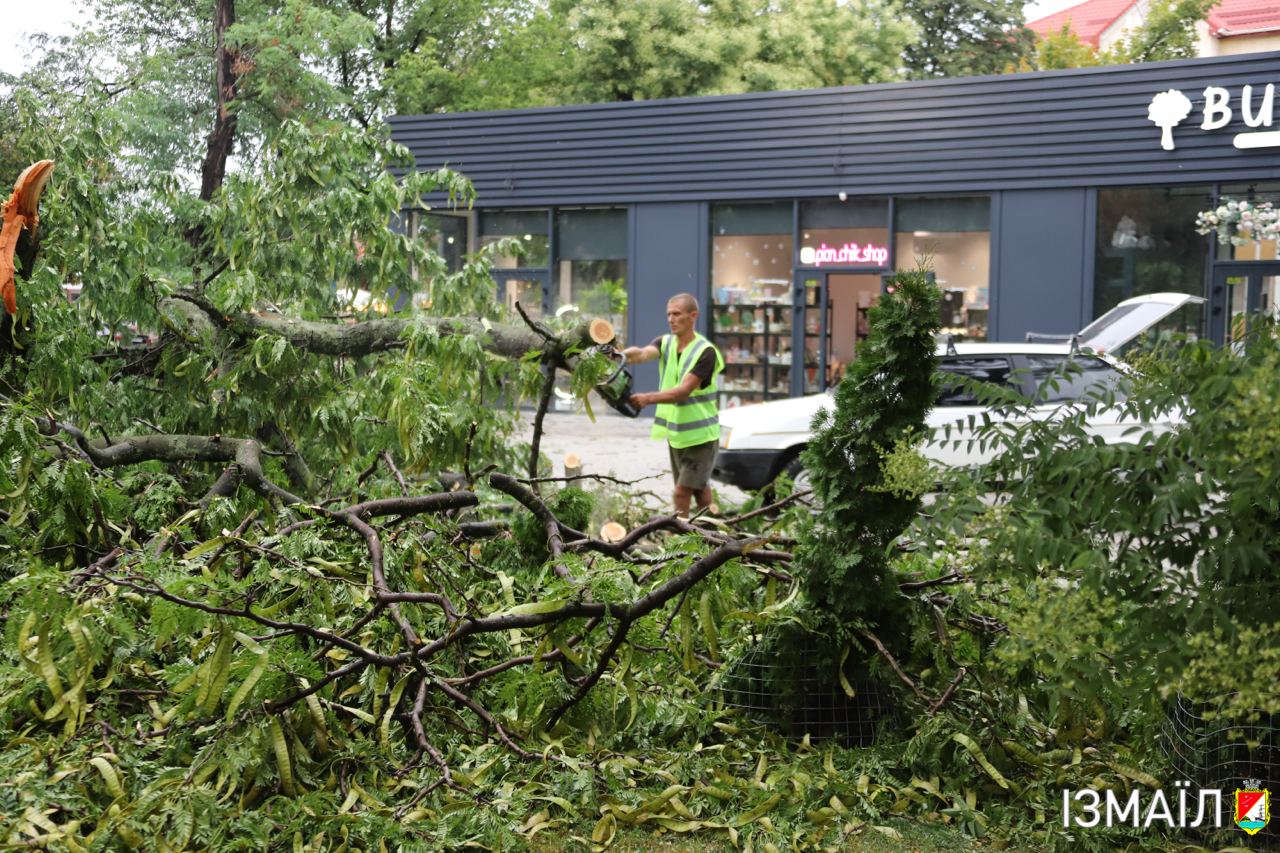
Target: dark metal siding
{"type": "Point", "coordinates": [669, 257]}
{"type": "Point", "coordinates": [1039, 263]}
{"type": "Point", "coordinates": [1077, 128]}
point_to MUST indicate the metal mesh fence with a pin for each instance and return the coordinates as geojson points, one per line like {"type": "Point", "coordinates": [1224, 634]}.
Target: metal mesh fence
{"type": "Point", "coordinates": [1211, 752]}
{"type": "Point", "coordinates": [794, 697]}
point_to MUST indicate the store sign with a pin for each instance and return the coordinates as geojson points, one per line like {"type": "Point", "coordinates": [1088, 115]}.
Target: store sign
{"type": "Point", "coordinates": [849, 254]}
{"type": "Point", "coordinates": [1255, 106]}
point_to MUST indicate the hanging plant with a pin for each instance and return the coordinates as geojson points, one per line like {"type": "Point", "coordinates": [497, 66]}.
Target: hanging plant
{"type": "Point", "coordinates": [1240, 222]}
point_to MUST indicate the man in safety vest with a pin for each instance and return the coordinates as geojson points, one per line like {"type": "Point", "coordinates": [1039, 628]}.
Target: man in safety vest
{"type": "Point", "coordinates": [687, 415]}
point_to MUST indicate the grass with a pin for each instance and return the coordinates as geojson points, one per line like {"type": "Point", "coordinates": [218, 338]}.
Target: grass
{"type": "Point", "coordinates": [913, 837]}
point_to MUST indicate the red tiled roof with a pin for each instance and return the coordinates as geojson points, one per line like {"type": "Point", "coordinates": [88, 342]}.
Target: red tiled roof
{"type": "Point", "coordinates": [1088, 20]}
{"type": "Point", "coordinates": [1237, 17]}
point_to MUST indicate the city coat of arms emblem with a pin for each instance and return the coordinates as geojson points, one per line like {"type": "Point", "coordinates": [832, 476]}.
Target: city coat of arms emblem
{"type": "Point", "coordinates": [1253, 807]}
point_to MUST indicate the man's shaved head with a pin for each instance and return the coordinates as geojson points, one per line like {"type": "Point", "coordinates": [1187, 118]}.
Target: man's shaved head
{"type": "Point", "coordinates": [686, 301]}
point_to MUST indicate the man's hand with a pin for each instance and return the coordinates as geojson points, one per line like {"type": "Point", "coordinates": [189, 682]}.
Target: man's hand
{"type": "Point", "coordinates": [639, 355]}
{"type": "Point", "coordinates": [672, 395]}
{"type": "Point", "coordinates": [642, 400]}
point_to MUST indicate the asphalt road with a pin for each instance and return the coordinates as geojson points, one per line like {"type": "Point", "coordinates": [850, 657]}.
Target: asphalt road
{"type": "Point", "coordinates": [614, 446]}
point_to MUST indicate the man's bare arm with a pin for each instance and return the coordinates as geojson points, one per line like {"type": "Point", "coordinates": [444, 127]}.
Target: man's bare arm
{"type": "Point", "coordinates": [677, 394]}
{"type": "Point", "coordinates": [639, 355]}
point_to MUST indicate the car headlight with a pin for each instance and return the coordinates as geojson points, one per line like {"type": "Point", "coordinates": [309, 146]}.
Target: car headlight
{"type": "Point", "coordinates": [725, 432]}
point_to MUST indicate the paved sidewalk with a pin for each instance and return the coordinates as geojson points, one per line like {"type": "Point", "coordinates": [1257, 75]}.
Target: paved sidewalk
{"type": "Point", "coordinates": [614, 445]}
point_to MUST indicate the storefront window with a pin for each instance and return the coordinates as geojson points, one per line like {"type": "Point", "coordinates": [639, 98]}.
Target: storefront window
{"type": "Point", "coordinates": [445, 234]}
{"type": "Point", "coordinates": [751, 251]}
{"type": "Point", "coordinates": [591, 264]}
{"type": "Point", "coordinates": [750, 314]}
{"type": "Point", "coordinates": [852, 233]}
{"type": "Point", "coordinates": [954, 236]}
{"type": "Point", "coordinates": [1254, 250]}
{"type": "Point", "coordinates": [529, 227]}
{"type": "Point", "coordinates": [1147, 243]}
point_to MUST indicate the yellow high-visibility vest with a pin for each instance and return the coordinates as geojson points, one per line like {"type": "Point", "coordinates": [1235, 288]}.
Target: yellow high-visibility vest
{"type": "Point", "coordinates": [696, 419]}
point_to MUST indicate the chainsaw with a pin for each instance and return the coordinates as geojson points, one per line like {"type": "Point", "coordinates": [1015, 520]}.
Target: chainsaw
{"type": "Point", "coordinates": [615, 389]}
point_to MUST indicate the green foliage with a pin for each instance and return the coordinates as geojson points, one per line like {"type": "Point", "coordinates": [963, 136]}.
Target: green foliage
{"type": "Point", "coordinates": [883, 399]}
{"type": "Point", "coordinates": [575, 52]}
{"type": "Point", "coordinates": [672, 48]}
{"type": "Point", "coordinates": [1121, 569]}
{"type": "Point", "coordinates": [607, 298]}
{"type": "Point", "coordinates": [961, 38]}
{"type": "Point", "coordinates": [1168, 31]}
{"type": "Point", "coordinates": [571, 505]}
{"type": "Point", "coordinates": [1233, 672]}
{"type": "Point", "coordinates": [1062, 49]}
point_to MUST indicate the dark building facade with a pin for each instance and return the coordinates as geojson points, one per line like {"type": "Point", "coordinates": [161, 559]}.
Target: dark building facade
{"type": "Point", "coordinates": [1040, 201]}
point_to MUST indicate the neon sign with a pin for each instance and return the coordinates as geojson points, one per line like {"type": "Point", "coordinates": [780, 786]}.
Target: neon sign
{"type": "Point", "coordinates": [849, 253]}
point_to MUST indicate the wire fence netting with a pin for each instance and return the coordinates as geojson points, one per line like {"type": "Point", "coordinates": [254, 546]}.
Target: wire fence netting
{"type": "Point", "coordinates": [794, 697]}
{"type": "Point", "coordinates": [1213, 752]}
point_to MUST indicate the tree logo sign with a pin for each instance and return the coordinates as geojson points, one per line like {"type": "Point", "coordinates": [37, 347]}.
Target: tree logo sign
{"type": "Point", "coordinates": [1256, 108]}
{"type": "Point", "coordinates": [1253, 807]}
{"type": "Point", "coordinates": [1167, 111]}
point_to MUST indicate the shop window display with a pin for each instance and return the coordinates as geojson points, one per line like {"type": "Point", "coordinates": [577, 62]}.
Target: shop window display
{"type": "Point", "coordinates": [1254, 250]}
{"type": "Point", "coordinates": [1146, 243]}
{"type": "Point", "coordinates": [521, 269]}
{"type": "Point", "coordinates": [445, 234]}
{"type": "Point", "coordinates": [751, 315]}
{"type": "Point", "coordinates": [954, 234]}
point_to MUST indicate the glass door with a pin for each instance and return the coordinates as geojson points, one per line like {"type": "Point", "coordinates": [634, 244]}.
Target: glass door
{"type": "Point", "coordinates": [1239, 295]}
{"type": "Point", "coordinates": [810, 335]}
{"type": "Point", "coordinates": [832, 313]}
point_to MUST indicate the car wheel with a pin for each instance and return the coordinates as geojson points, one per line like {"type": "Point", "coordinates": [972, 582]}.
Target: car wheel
{"type": "Point", "coordinates": [800, 480]}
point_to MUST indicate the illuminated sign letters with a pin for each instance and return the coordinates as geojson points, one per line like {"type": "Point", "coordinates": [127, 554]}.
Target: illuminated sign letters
{"type": "Point", "coordinates": [849, 254]}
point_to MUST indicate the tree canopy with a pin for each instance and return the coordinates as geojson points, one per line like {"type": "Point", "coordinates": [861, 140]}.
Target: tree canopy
{"type": "Point", "coordinates": [966, 37]}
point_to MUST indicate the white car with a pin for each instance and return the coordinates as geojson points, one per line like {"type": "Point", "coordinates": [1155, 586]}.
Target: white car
{"type": "Point", "coordinates": [757, 443]}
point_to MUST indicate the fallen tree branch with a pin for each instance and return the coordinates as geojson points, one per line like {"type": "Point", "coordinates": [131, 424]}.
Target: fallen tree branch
{"type": "Point", "coordinates": [369, 336]}
{"type": "Point", "coordinates": [601, 666]}
{"type": "Point", "coordinates": [420, 735]}
{"type": "Point", "coordinates": [540, 510]}
{"type": "Point", "coordinates": [479, 710]}
{"type": "Point", "coordinates": [949, 692]}
{"type": "Point", "coordinates": [544, 402]}
{"type": "Point", "coordinates": [893, 663]}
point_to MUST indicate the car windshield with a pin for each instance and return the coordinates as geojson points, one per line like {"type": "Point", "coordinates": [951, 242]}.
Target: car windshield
{"type": "Point", "coordinates": [1062, 379]}
{"type": "Point", "coordinates": [988, 369]}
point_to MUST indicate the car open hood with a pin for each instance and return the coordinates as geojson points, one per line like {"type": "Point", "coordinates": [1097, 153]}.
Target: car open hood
{"type": "Point", "coordinates": [1131, 318]}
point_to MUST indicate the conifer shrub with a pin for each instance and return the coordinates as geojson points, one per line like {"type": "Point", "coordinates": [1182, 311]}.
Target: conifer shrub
{"type": "Point", "coordinates": [843, 559]}
{"type": "Point", "coordinates": [844, 552]}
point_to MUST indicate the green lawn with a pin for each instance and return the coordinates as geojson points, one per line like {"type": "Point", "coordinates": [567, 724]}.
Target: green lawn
{"type": "Point", "coordinates": [913, 838]}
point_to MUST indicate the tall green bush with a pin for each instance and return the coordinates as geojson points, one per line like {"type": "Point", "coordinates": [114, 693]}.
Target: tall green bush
{"type": "Point", "coordinates": [843, 558]}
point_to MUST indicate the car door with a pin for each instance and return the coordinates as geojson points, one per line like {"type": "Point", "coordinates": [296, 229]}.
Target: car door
{"type": "Point", "coordinates": [960, 412]}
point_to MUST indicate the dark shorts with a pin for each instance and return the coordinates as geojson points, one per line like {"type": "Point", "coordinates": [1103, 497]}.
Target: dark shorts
{"type": "Point", "coordinates": [691, 466]}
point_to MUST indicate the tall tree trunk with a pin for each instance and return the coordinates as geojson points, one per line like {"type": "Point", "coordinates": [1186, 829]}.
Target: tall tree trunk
{"type": "Point", "coordinates": [213, 170]}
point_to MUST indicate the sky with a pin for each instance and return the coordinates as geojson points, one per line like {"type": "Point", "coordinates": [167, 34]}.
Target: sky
{"type": "Point", "coordinates": [57, 17]}
{"type": "Point", "coordinates": [22, 17]}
